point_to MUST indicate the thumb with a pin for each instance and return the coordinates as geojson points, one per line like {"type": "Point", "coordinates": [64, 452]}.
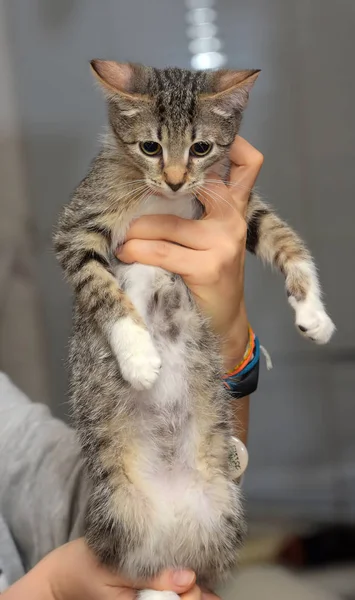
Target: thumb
{"type": "Point", "coordinates": [174, 581]}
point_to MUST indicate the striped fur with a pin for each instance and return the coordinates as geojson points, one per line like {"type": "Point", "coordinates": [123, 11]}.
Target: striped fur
{"type": "Point", "coordinates": [153, 418]}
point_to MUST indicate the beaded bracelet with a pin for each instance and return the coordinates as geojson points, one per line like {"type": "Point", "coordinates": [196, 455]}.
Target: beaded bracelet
{"type": "Point", "coordinates": [248, 354]}
{"type": "Point", "coordinates": [242, 380]}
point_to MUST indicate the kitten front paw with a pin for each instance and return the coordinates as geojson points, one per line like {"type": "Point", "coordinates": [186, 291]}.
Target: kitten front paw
{"type": "Point", "coordinates": [137, 357]}
{"type": "Point", "coordinates": [142, 369]}
{"type": "Point", "coordinates": [313, 322]}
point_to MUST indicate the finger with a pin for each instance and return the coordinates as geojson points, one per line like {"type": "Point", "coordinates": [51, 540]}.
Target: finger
{"type": "Point", "coordinates": [174, 581]}
{"type": "Point", "coordinates": [185, 232]}
{"type": "Point", "coordinates": [227, 207]}
{"type": "Point", "coordinates": [193, 594]}
{"type": "Point", "coordinates": [157, 253]}
{"type": "Point", "coordinates": [209, 596]}
{"type": "Point", "coordinates": [243, 154]}
{"type": "Point", "coordinates": [246, 163]}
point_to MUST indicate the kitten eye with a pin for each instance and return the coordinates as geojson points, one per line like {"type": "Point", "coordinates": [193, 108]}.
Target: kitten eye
{"type": "Point", "coordinates": [150, 148]}
{"type": "Point", "coordinates": [200, 148]}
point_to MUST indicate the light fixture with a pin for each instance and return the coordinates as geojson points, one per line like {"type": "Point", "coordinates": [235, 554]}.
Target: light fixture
{"type": "Point", "coordinates": [204, 46]}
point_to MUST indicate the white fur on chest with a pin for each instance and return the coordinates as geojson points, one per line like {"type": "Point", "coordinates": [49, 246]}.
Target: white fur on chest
{"type": "Point", "coordinates": [182, 206]}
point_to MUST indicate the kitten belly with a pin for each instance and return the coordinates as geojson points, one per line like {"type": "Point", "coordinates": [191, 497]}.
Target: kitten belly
{"type": "Point", "coordinates": [184, 501]}
{"type": "Point", "coordinates": [179, 501]}
{"type": "Point", "coordinates": [168, 472]}
{"type": "Point", "coordinates": [184, 495]}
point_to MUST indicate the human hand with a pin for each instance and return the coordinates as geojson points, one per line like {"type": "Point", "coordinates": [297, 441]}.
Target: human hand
{"type": "Point", "coordinates": [72, 572]}
{"type": "Point", "coordinates": [209, 254]}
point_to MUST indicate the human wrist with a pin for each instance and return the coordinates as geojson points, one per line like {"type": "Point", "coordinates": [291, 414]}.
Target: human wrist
{"type": "Point", "coordinates": [235, 341]}
{"type": "Point", "coordinates": [35, 585]}
{"type": "Point", "coordinates": [53, 578]}
{"type": "Point", "coordinates": [65, 571]}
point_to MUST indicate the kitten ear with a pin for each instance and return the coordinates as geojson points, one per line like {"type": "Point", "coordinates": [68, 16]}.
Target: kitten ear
{"type": "Point", "coordinates": [231, 90]}
{"type": "Point", "coordinates": [118, 79]}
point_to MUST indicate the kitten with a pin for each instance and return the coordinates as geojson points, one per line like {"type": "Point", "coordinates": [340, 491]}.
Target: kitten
{"type": "Point", "coordinates": [153, 417]}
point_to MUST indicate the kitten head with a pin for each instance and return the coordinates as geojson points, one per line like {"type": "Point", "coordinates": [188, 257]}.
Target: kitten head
{"type": "Point", "coordinates": [173, 124]}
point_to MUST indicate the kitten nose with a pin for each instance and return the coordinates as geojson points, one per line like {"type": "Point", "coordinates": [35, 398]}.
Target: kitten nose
{"type": "Point", "coordinates": [175, 176]}
{"type": "Point", "coordinates": [175, 186]}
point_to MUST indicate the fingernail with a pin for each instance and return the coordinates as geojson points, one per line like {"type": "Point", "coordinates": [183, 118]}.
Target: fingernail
{"type": "Point", "coordinates": [183, 577]}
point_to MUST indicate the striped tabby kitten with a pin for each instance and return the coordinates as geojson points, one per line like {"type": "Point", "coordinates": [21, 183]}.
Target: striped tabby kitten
{"type": "Point", "coordinates": [152, 415]}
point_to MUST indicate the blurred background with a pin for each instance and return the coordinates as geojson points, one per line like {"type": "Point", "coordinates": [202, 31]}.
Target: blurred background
{"type": "Point", "coordinates": [301, 116]}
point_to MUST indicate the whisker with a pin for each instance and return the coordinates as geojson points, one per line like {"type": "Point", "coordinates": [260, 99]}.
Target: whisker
{"type": "Point", "coordinates": [210, 199]}
{"type": "Point", "coordinates": [125, 187]}
{"type": "Point", "coordinates": [148, 194]}
{"type": "Point", "coordinates": [125, 183]}
{"type": "Point", "coordinates": [138, 195]}
{"type": "Point", "coordinates": [219, 198]}
{"type": "Point", "coordinates": [118, 198]}
{"type": "Point", "coordinates": [230, 184]}
{"type": "Point", "coordinates": [139, 188]}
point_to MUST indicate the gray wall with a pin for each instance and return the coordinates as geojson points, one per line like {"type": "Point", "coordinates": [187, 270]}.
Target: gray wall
{"type": "Point", "coordinates": [301, 116]}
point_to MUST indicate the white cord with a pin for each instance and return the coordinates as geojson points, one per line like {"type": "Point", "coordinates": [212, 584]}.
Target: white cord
{"type": "Point", "coordinates": [267, 357]}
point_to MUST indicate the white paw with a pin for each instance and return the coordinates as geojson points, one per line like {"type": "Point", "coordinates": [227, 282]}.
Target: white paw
{"type": "Point", "coordinates": [313, 322]}
{"type": "Point", "coordinates": [137, 357]}
{"type": "Point", "coordinates": [141, 370]}
{"type": "Point", "coordinates": [155, 595]}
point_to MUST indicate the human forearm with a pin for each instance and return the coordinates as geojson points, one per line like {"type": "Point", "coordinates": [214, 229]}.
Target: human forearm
{"type": "Point", "coordinates": [235, 343]}
{"type": "Point", "coordinates": [33, 586]}
{"type": "Point", "coordinates": [241, 418]}
{"type": "Point", "coordinates": [233, 349]}
{"type": "Point", "coordinates": [72, 572]}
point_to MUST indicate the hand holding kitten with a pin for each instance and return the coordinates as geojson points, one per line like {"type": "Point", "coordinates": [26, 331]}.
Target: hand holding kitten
{"type": "Point", "coordinates": [209, 253]}
{"type": "Point", "coordinates": [72, 572]}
